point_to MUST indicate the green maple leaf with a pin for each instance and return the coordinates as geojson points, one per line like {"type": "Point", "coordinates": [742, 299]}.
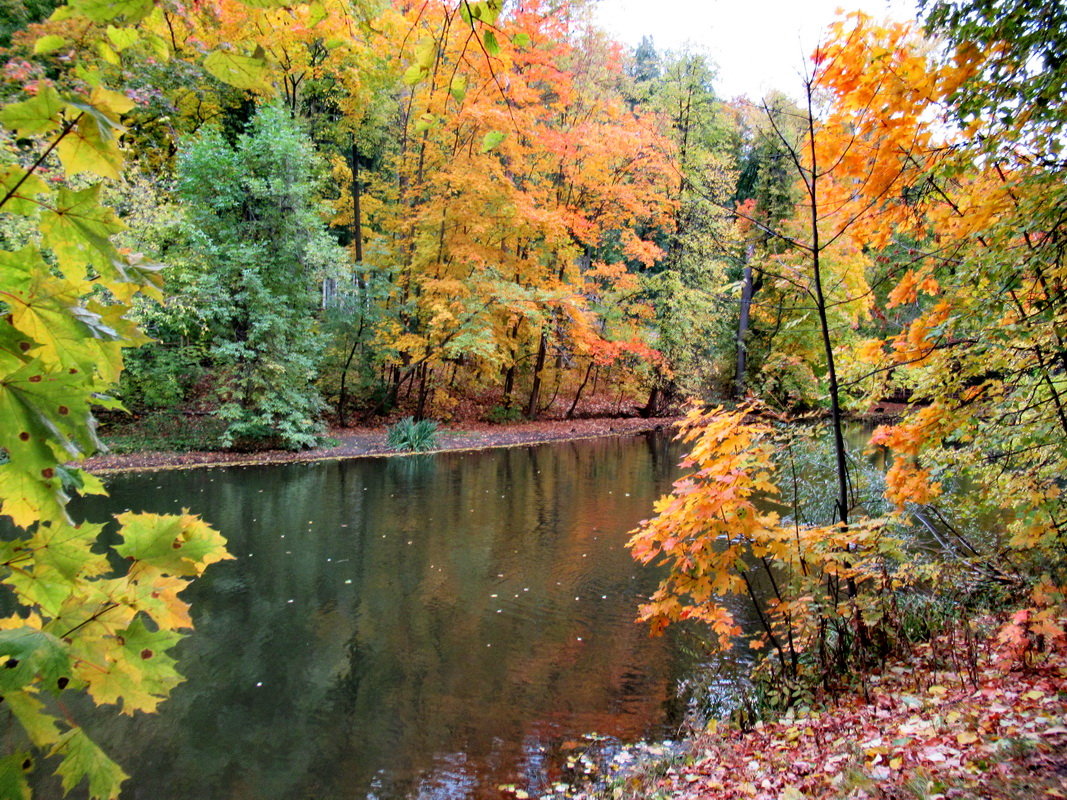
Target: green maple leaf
{"type": "Point", "coordinates": [45, 413]}
{"type": "Point", "coordinates": [13, 770]}
{"type": "Point", "coordinates": [65, 334]}
{"type": "Point", "coordinates": [77, 229]}
{"type": "Point", "coordinates": [121, 38]}
{"type": "Point", "coordinates": [28, 655]}
{"type": "Point", "coordinates": [139, 673]}
{"type": "Point", "coordinates": [91, 146]}
{"type": "Point", "coordinates": [22, 201]}
{"type": "Point", "coordinates": [42, 586]}
{"type": "Point", "coordinates": [17, 270]}
{"type": "Point", "coordinates": [242, 72]}
{"type": "Point", "coordinates": [41, 727]}
{"type": "Point", "coordinates": [156, 594]}
{"type": "Point", "coordinates": [40, 114]}
{"type": "Point", "coordinates": [81, 759]}
{"type": "Point", "coordinates": [182, 545]}
{"type": "Point", "coordinates": [151, 538]}
{"type": "Point", "coordinates": [48, 44]}
{"type": "Point", "coordinates": [67, 549]}
{"type": "Point", "coordinates": [27, 499]}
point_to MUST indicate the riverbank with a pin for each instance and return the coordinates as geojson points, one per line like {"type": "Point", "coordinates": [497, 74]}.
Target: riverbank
{"type": "Point", "coordinates": [962, 717]}
{"type": "Point", "coordinates": [360, 442]}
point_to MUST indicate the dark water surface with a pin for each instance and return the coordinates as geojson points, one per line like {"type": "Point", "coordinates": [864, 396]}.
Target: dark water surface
{"type": "Point", "coordinates": [424, 627]}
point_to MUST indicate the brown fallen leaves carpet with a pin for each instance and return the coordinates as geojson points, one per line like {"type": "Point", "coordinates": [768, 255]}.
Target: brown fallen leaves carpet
{"type": "Point", "coordinates": [356, 442]}
{"type": "Point", "coordinates": [955, 720]}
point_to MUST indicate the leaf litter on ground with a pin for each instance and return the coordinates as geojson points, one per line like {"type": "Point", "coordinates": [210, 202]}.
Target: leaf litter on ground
{"type": "Point", "coordinates": [933, 725]}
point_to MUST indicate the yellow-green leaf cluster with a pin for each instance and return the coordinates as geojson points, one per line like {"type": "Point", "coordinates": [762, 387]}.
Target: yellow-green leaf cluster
{"type": "Point", "coordinates": [65, 297]}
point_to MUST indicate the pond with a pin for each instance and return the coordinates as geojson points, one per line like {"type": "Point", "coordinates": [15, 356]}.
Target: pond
{"type": "Point", "coordinates": [426, 626]}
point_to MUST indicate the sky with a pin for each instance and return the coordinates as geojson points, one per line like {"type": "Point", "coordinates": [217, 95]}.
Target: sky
{"type": "Point", "coordinates": [758, 45]}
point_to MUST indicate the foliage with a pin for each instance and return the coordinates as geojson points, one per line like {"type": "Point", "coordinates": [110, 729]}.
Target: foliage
{"type": "Point", "coordinates": [503, 414]}
{"type": "Point", "coordinates": [164, 430]}
{"type": "Point", "coordinates": [789, 382]}
{"type": "Point", "coordinates": [958, 229]}
{"type": "Point", "coordinates": [689, 288]}
{"type": "Point", "coordinates": [159, 377]}
{"type": "Point", "coordinates": [80, 624]}
{"type": "Point", "coordinates": [821, 591]}
{"type": "Point", "coordinates": [507, 221]}
{"type": "Point", "coordinates": [412, 436]}
{"type": "Point", "coordinates": [259, 249]}
{"type": "Point", "coordinates": [982, 355]}
{"type": "Point", "coordinates": [1016, 92]}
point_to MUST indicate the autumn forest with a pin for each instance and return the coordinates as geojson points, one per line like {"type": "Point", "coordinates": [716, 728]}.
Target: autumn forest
{"type": "Point", "coordinates": [271, 221]}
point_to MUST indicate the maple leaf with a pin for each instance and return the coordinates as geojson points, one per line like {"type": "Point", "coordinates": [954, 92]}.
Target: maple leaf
{"type": "Point", "coordinates": [82, 758]}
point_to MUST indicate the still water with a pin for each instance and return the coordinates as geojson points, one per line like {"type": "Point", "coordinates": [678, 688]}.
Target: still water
{"type": "Point", "coordinates": [419, 627]}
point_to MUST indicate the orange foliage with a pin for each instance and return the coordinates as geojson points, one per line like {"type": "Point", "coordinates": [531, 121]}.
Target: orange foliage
{"type": "Point", "coordinates": [515, 166]}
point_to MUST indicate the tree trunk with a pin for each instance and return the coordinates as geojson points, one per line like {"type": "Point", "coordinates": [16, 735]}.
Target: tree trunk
{"type": "Point", "coordinates": [836, 421]}
{"type": "Point", "coordinates": [539, 366]}
{"type": "Point", "coordinates": [509, 385]}
{"type": "Point", "coordinates": [652, 406]}
{"type": "Point", "coordinates": [578, 394]}
{"type": "Point", "coordinates": [425, 376]}
{"type": "Point", "coordinates": [357, 217]}
{"type": "Point", "coordinates": [742, 328]}
{"type": "Point", "coordinates": [342, 395]}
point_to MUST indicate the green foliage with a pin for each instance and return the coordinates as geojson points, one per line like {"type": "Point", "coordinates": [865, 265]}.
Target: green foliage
{"type": "Point", "coordinates": [694, 309]}
{"type": "Point", "coordinates": [17, 14]}
{"type": "Point", "coordinates": [788, 381]}
{"type": "Point", "coordinates": [1023, 78]}
{"type": "Point", "coordinates": [411, 436]}
{"type": "Point", "coordinates": [357, 311]}
{"type": "Point", "coordinates": [500, 415]}
{"type": "Point", "coordinates": [164, 430]}
{"type": "Point", "coordinates": [808, 474]}
{"type": "Point", "coordinates": [258, 250]}
{"type": "Point", "coordinates": [159, 377]}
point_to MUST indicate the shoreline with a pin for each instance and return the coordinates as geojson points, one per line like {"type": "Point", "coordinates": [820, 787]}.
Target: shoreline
{"type": "Point", "coordinates": [371, 442]}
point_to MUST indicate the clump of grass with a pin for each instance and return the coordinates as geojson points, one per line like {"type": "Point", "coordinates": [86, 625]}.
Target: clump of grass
{"type": "Point", "coordinates": [411, 436]}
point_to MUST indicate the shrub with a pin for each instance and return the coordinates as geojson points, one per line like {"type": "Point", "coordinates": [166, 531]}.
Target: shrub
{"type": "Point", "coordinates": [499, 415]}
{"type": "Point", "coordinates": [409, 435]}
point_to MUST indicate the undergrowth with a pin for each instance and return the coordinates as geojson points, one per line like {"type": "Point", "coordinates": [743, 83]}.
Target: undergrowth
{"type": "Point", "coordinates": [165, 431]}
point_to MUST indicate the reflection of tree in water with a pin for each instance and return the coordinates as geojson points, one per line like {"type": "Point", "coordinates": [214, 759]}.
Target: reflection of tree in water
{"type": "Point", "coordinates": [356, 645]}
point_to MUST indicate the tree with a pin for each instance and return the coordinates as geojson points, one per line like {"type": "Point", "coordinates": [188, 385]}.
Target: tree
{"type": "Point", "coordinates": [864, 139]}
{"type": "Point", "coordinates": [984, 356]}
{"type": "Point", "coordinates": [689, 287]}
{"type": "Point", "coordinates": [768, 193]}
{"type": "Point", "coordinates": [260, 249]}
{"type": "Point", "coordinates": [504, 205]}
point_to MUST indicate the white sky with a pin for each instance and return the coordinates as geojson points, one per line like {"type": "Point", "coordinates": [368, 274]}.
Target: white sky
{"type": "Point", "coordinates": [758, 45]}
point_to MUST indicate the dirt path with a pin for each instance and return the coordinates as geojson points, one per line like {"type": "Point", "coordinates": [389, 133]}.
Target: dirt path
{"type": "Point", "coordinates": [357, 442]}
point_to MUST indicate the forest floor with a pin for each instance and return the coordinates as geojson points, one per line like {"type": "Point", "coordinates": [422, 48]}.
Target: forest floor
{"type": "Point", "coordinates": [974, 714]}
{"type": "Point", "coordinates": [357, 442]}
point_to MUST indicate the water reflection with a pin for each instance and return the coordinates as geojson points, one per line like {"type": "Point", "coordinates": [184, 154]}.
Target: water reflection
{"type": "Point", "coordinates": [419, 627]}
